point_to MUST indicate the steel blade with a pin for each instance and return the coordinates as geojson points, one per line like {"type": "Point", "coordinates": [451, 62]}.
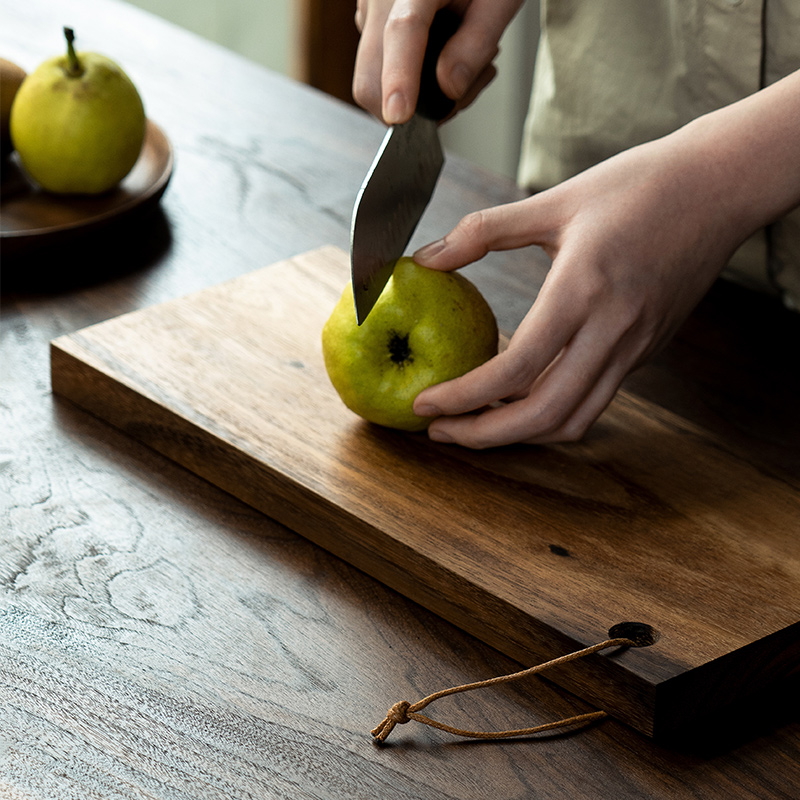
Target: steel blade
{"type": "Point", "coordinates": [390, 203]}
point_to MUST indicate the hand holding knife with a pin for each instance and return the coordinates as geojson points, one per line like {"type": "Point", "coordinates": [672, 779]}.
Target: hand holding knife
{"type": "Point", "coordinates": [401, 180]}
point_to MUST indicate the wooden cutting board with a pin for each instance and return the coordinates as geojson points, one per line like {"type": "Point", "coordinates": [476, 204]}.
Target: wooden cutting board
{"type": "Point", "coordinates": [536, 550]}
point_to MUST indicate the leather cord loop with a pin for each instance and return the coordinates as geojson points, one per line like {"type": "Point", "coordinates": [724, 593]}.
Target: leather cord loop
{"type": "Point", "coordinates": [403, 711]}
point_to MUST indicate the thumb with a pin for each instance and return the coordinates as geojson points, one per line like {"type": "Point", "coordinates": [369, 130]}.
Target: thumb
{"type": "Point", "coordinates": [504, 227]}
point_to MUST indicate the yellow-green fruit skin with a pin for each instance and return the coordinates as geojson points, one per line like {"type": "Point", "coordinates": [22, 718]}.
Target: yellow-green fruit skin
{"type": "Point", "coordinates": [450, 328]}
{"type": "Point", "coordinates": [78, 135]}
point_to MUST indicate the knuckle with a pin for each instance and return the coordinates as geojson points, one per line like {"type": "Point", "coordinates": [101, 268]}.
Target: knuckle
{"type": "Point", "coordinates": [476, 439]}
{"type": "Point", "coordinates": [474, 226]}
{"type": "Point", "coordinates": [403, 19]}
{"type": "Point", "coordinates": [571, 431]}
{"type": "Point", "coordinates": [481, 47]}
{"type": "Point", "coordinates": [590, 293]}
{"type": "Point", "coordinates": [548, 424]}
{"type": "Point", "coordinates": [516, 370]}
{"type": "Point", "coordinates": [544, 420]}
{"type": "Point", "coordinates": [628, 312]}
{"type": "Point", "coordinates": [366, 88]}
{"type": "Point", "coordinates": [362, 93]}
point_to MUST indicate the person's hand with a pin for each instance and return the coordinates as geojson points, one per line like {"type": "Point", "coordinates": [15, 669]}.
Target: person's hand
{"type": "Point", "coordinates": [394, 34]}
{"type": "Point", "coordinates": [636, 241]}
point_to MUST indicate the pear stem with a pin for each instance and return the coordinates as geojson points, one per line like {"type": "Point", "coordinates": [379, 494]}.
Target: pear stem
{"type": "Point", "coordinates": [74, 67]}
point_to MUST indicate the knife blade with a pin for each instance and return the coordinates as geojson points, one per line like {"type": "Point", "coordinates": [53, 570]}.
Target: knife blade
{"type": "Point", "coordinates": [401, 180]}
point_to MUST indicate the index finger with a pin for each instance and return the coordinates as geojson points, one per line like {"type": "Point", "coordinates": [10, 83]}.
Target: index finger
{"type": "Point", "coordinates": [405, 38]}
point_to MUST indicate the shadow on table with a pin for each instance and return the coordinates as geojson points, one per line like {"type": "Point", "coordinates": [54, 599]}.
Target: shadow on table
{"type": "Point", "coordinates": [749, 719]}
{"type": "Point", "coordinates": [82, 260]}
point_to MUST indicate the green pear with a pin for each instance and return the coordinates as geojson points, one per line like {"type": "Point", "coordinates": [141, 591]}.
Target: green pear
{"type": "Point", "coordinates": [77, 123]}
{"type": "Point", "coordinates": [426, 327]}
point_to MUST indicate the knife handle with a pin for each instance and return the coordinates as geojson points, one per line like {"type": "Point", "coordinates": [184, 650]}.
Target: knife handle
{"type": "Point", "coordinates": [433, 103]}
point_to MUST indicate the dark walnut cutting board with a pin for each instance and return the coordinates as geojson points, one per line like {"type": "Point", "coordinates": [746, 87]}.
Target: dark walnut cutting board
{"type": "Point", "coordinates": [536, 550]}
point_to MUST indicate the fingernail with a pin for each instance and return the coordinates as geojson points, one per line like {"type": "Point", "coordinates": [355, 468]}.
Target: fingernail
{"type": "Point", "coordinates": [440, 436]}
{"type": "Point", "coordinates": [461, 77]}
{"type": "Point", "coordinates": [427, 410]}
{"type": "Point", "coordinates": [429, 251]}
{"type": "Point", "coordinates": [395, 109]}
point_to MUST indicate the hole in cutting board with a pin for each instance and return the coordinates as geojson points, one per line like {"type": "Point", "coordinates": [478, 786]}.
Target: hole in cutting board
{"type": "Point", "coordinates": [640, 633]}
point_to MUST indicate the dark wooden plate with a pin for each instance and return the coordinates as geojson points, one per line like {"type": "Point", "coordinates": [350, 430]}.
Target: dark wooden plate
{"type": "Point", "coordinates": [30, 216]}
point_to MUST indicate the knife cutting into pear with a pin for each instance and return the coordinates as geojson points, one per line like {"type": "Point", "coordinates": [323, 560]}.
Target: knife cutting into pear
{"type": "Point", "coordinates": [400, 181]}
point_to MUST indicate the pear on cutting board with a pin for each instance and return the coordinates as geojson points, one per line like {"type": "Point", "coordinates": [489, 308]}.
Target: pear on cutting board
{"type": "Point", "coordinates": [11, 77]}
{"type": "Point", "coordinates": [426, 327]}
{"type": "Point", "coordinates": [77, 123]}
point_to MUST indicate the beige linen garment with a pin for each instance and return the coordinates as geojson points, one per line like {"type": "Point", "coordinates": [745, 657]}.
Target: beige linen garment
{"type": "Point", "coordinates": [611, 74]}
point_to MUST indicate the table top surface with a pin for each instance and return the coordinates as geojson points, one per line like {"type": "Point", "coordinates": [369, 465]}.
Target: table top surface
{"type": "Point", "coordinates": [160, 639]}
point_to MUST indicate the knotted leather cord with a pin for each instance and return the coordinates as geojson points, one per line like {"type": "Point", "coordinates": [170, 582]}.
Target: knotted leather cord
{"type": "Point", "coordinates": [403, 712]}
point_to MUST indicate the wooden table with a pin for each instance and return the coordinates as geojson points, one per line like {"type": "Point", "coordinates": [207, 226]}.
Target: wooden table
{"type": "Point", "coordinates": [159, 639]}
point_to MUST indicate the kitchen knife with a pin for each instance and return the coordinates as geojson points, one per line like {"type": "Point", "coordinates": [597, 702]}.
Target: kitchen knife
{"type": "Point", "coordinates": [401, 180]}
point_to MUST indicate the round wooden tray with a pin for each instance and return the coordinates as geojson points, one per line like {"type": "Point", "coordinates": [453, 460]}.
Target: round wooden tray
{"type": "Point", "coordinates": [30, 217]}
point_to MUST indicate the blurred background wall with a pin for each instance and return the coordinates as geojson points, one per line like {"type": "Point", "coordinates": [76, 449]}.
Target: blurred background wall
{"type": "Point", "coordinates": [313, 41]}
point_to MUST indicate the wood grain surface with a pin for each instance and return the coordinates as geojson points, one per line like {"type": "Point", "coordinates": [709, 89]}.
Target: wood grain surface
{"type": "Point", "coordinates": [160, 639]}
{"type": "Point", "coordinates": [536, 550]}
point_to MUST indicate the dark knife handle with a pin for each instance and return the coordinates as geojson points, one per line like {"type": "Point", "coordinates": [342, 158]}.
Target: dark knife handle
{"type": "Point", "coordinates": [433, 103]}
